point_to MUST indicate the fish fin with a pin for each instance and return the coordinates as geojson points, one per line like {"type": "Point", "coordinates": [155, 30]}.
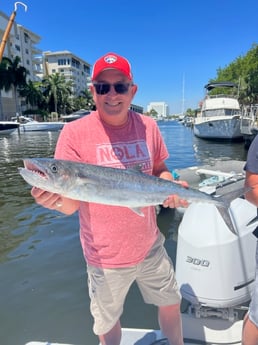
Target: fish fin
{"type": "Point", "coordinates": [224, 209]}
{"type": "Point", "coordinates": [225, 214]}
{"type": "Point", "coordinates": [138, 211]}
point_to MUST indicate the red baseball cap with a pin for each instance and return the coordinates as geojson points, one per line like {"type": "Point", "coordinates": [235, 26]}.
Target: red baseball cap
{"type": "Point", "coordinates": [112, 61]}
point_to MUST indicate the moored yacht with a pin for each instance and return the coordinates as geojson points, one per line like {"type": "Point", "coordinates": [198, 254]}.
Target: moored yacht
{"type": "Point", "coordinates": [220, 115]}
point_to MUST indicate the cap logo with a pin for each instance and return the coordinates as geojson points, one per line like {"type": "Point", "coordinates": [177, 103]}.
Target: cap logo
{"type": "Point", "coordinates": [110, 59]}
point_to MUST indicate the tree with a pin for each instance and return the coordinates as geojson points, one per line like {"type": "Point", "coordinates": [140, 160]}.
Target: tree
{"type": "Point", "coordinates": [32, 92]}
{"type": "Point", "coordinates": [86, 100]}
{"type": "Point", "coordinates": [12, 76]}
{"type": "Point", "coordinates": [244, 72]}
{"type": "Point", "coordinates": [3, 85]}
{"type": "Point", "coordinates": [57, 91]}
{"type": "Point", "coordinates": [153, 113]}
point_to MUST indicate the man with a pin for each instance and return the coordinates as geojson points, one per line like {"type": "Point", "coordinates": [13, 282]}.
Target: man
{"type": "Point", "coordinates": [250, 326]}
{"type": "Point", "coordinates": [119, 246]}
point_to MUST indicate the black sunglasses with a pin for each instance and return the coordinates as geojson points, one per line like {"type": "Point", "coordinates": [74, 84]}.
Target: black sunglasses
{"type": "Point", "coordinates": [104, 88]}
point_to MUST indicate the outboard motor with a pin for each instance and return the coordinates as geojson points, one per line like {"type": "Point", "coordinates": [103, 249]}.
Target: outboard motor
{"type": "Point", "coordinates": [215, 269]}
{"type": "Point", "coordinates": [214, 266]}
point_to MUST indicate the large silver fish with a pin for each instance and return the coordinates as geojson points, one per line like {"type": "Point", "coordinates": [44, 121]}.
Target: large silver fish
{"type": "Point", "coordinates": [111, 186]}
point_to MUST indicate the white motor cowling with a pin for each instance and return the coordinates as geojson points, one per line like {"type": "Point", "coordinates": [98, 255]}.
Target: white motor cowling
{"type": "Point", "coordinates": [215, 267]}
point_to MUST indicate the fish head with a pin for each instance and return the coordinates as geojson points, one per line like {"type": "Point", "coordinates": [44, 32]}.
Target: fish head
{"type": "Point", "coordinates": [48, 174]}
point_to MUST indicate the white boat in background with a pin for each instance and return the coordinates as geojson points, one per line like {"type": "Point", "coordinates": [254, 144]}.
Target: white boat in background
{"type": "Point", "coordinates": [75, 116]}
{"type": "Point", "coordinates": [220, 115]}
{"type": "Point", "coordinates": [8, 127]}
{"type": "Point", "coordinates": [27, 124]}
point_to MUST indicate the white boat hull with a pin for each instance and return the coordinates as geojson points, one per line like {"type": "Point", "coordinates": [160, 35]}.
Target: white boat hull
{"type": "Point", "coordinates": [42, 126]}
{"type": "Point", "coordinates": [218, 128]}
{"type": "Point", "coordinates": [8, 127]}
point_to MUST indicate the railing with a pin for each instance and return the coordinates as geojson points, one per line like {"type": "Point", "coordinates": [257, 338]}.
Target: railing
{"type": "Point", "coordinates": [249, 119]}
{"type": "Point", "coordinates": [221, 96]}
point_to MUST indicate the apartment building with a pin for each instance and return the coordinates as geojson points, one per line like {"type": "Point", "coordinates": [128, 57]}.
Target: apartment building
{"type": "Point", "coordinates": [21, 42]}
{"type": "Point", "coordinates": [71, 66]}
{"type": "Point", "coordinates": [160, 107]}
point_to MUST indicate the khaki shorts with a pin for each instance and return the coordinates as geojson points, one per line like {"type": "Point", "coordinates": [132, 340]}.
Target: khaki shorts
{"type": "Point", "coordinates": [108, 288]}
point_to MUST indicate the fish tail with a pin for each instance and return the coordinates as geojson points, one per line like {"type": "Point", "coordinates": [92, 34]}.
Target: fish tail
{"type": "Point", "coordinates": [225, 214]}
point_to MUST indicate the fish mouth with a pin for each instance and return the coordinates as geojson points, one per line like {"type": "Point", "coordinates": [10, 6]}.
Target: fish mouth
{"type": "Point", "coordinates": [35, 169]}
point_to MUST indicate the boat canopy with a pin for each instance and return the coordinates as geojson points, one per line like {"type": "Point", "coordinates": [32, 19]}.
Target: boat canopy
{"type": "Point", "coordinates": [214, 85]}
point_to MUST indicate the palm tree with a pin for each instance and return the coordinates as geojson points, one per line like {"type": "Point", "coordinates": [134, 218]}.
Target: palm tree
{"type": "Point", "coordinates": [32, 92]}
{"type": "Point", "coordinates": [88, 99]}
{"type": "Point", "coordinates": [56, 90]}
{"type": "Point", "coordinates": [5, 82]}
{"type": "Point", "coordinates": [12, 76]}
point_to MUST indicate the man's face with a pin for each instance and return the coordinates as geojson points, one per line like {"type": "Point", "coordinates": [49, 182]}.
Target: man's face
{"type": "Point", "coordinates": [112, 102]}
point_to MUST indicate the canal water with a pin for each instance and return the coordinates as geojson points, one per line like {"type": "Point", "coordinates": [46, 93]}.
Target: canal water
{"type": "Point", "coordinates": [43, 289]}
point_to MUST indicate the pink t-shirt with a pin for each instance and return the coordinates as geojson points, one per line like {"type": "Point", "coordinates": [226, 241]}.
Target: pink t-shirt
{"type": "Point", "coordinates": [113, 236]}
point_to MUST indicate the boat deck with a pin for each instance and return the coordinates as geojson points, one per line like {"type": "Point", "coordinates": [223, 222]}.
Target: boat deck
{"type": "Point", "coordinates": [196, 331]}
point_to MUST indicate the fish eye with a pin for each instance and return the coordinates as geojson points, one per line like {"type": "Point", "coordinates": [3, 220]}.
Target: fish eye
{"type": "Point", "coordinates": [53, 168]}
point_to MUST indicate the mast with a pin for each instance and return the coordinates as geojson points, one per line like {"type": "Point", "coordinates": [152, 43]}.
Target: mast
{"type": "Point", "coordinates": [183, 95]}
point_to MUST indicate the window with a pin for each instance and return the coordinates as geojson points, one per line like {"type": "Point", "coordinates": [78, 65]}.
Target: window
{"type": "Point", "coordinates": [26, 37]}
{"type": "Point", "coordinates": [61, 62]}
{"type": "Point", "coordinates": [75, 63]}
{"type": "Point", "coordinates": [86, 69]}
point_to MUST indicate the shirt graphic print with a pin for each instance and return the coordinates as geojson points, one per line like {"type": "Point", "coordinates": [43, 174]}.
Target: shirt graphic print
{"type": "Point", "coordinates": [124, 155]}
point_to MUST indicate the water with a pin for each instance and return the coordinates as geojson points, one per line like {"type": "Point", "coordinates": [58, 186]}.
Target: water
{"type": "Point", "coordinates": [43, 289]}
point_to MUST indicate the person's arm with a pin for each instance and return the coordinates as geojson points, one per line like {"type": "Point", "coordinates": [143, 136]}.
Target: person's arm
{"type": "Point", "coordinates": [251, 183]}
{"type": "Point", "coordinates": [172, 201]}
{"type": "Point", "coordinates": [54, 201]}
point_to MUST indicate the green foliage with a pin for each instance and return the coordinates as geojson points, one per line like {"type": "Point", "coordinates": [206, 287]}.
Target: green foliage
{"type": "Point", "coordinates": [153, 112]}
{"type": "Point", "coordinates": [12, 76]}
{"type": "Point", "coordinates": [84, 101]}
{"type": "Point", "coordinates": [32, 92]}
{"type": "Point", "coordinates": [56, 91]}
{"type": "Point", "coordinates": [244, 72]}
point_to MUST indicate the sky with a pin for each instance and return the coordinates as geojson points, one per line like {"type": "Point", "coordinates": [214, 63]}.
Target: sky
{"type": "Point", "coordinates": [174, 47]}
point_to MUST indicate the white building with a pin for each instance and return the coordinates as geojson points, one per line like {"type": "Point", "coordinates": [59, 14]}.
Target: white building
{"type": "Point", "coordinates": [71, 66]}
{"type": "Point", "coordinates": [160, 107]}
{"type": "Point", "coordinates": [22, 43]}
